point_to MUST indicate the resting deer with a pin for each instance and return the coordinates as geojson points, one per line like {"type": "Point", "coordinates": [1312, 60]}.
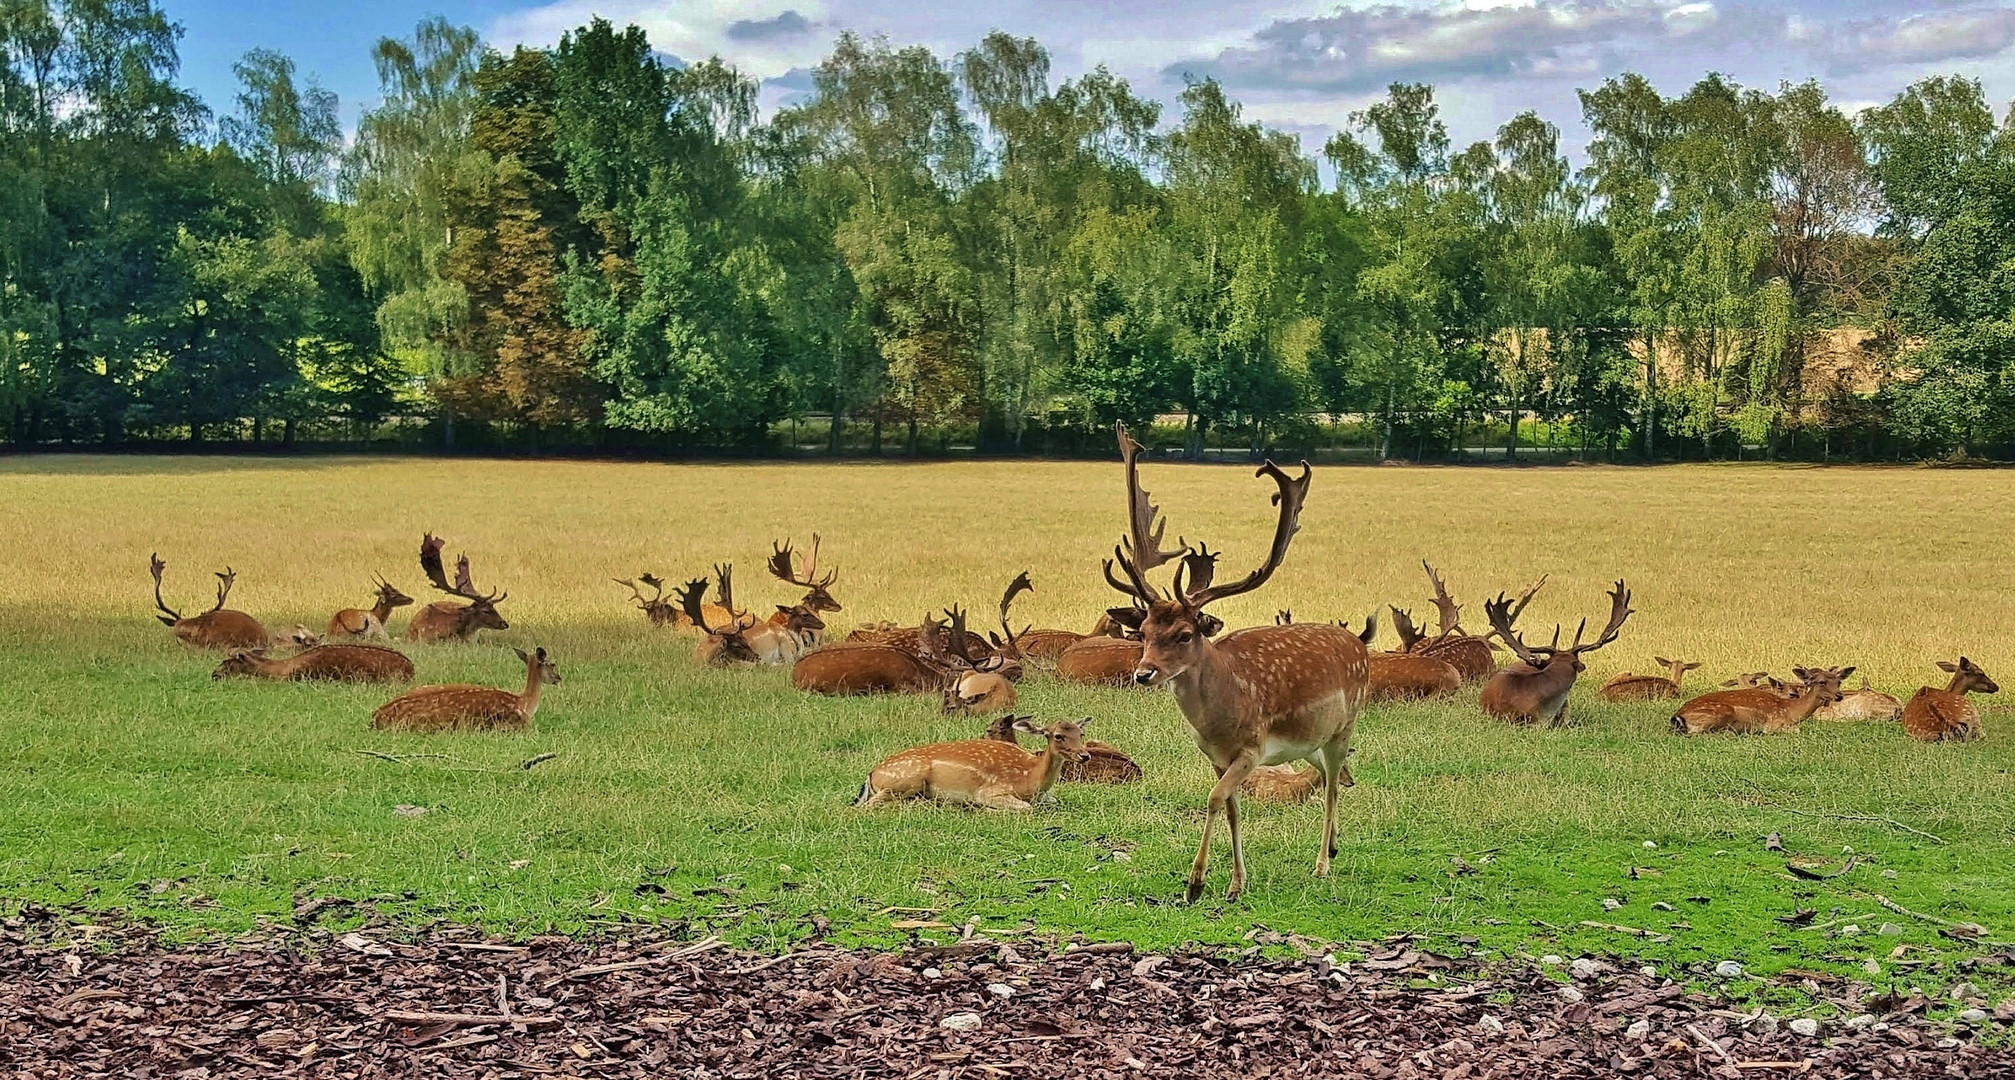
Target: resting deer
{"type": "Point", "coordinates": [1534, 690]}
{"type": "Point", "coordinates": [1267, 695]}
{"type": "Point", "coordinates": [1104, 763]}
{"type": "Point", "coordinates": [816, 599]}
{"type": "Point", "coordinates": [725, 642]}
{"type": "Point", "coordinates": [461, 707]}
{"type": "Point", "coordinates": [1628, 687]}
{"type": "Point", "coordinates": [341, 662]}
{"type": "Point", "coordinates": [1037, 643]}
{"type": "Point", "coordinates": [1933, 715]}
{"type": "Point", "coordinates": [1469, 655]}
{"type": "Point", "coordinates": [1756, 680]}
{"type": "Point", "coordinates": [217, 628]}
{"type": "Point", "coordinates": [986, 773]}
{"type": "Point", "coordinates": [1100, 661]}
{"type": "Point", "coordinates": [371, 622]}
{"type": "Point", "coordinates": [655, 607]}
{"type": "Point", "coordinates": [976, 686]}
{"type": "Point", "coordinates": [1282, 783]}
{"type": "Point", "coordinates": [1861, 704]}
{"type": "Point", "coordinates": [444, 620]}
{"type": "Point", "coordinates": [848, 668]}
{"type": "Point", "coordinates": [1751, 711]}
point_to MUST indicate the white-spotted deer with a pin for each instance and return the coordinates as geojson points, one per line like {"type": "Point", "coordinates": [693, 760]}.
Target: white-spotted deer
{"type": "Point", "coordinates": [986, 773]}
{"type": "Point", "coordinates": [1864, 703]}
{"type": "Point", "coordinates": [218, 628]}
{"type": "Point", "coordinates": [462, 707]}
{"type": "Point", "coordinates": [655, 607]}
{"type": "Point", "coordinates": [373, 621]}
{"type": "Point", "coordinates": [445, 620]}
{"type": "Point", "coordinates": [1104, 763]}
{"type": "Point", "coordinates": [1266, 695]}
{"type": "Point", "coordinates": [1933, 715]}
{"type": "Point", "coordinates": [1753, 711]}
{"type": "Point", "coordinates": [1534, 690]}
{"type": "Point", "coordinates": [340, 662]}
{"type": "Point", "coordinates": [1628, 687]}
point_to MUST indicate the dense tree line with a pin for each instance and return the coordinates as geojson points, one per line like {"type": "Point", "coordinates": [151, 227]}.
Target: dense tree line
{"type": "Point", "coordinates": [590, 245]}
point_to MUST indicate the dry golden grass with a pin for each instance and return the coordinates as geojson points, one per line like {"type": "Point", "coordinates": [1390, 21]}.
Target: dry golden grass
{"type": "Point", "coordinates": [1743, 567]}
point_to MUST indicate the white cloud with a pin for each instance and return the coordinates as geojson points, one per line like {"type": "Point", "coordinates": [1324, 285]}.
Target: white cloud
{"type": "Point", "coordinates": [763, 38]}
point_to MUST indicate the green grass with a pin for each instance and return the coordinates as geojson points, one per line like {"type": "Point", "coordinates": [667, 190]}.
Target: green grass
{"type": "Point", "coordinates": [129, 780]}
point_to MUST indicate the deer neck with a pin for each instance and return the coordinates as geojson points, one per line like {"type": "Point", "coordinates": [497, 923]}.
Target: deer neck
{"type": "Point", "coordinates": [528, 702]}
{"type": "Point", "coordinates": [1209, 689]}
{"type": "Point", "coordinates": [382, 610]}
{"type": "Point", "coordinates": [1957, 685]}
{"type": "Point", "coordinates": [1801, 708]}
{"type": "Point", "coordinates": [1043, 771]}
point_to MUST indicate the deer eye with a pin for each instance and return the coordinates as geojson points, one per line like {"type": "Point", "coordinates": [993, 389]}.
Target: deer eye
{"type": "Point", "coordinates": [1185, 638]}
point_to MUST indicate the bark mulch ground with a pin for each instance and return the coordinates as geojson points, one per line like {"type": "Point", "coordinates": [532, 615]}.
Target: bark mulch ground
{"type": "Point", "coordinates": [449, 1002]}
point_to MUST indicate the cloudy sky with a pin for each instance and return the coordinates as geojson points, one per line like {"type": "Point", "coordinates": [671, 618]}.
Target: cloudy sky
{"type": "Point", "coordinates": [1301, 66]}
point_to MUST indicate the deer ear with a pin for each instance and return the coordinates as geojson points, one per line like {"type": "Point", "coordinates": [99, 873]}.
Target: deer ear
{"type": "Point", "coordinates": [1844, 672]}
{"type": "Point", "coordinates": [521, 654]}
{"type": "Point", "coordinates": [1129, 617]}
{"type": "Point", "coordinates": [1965, 663]}
{"type": "Point", "coordinates": [1947, 665]}
{"type": "Point", "coordinates": [1662, 662]}
{"type": "Point", "coordinates": [1208, 625]}
{"type": "Point", "coordinates": [1023, 724]}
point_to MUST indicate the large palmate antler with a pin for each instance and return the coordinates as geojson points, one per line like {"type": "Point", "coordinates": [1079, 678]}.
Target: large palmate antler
{"type": "Point", "coordinates": [170, 616]}
{"type": "Point", "coordinates": [1514, 610]}
{"type": "Point", "coordinates": [1447, 610]}
{"type": "Point", "coordinates": [1502, 614]}
{"type": "Point", "coordinates": [1140, 550]}
{"type": "Point", "coordinates": [430, 564]}
{"type": "Point", "coordinates": [1193, 578]}
{"type": "Point", "coordinates": [1501, 618]}
{"type": "Point", "coordinates": [780, 566]}
{"type": "Point", "coordinates": [1619, 610]}
{"type": "Point", "coordinates": [1402, 623]}
{"type": "Point", "coordinates": [1012, 643]}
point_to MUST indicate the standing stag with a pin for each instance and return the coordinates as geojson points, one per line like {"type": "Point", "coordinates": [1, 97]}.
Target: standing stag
{"type": "Point", "coordinates": [342, 662]}
{"type": "Point", "coordinates": [217, 628]}
{"type": "Point", "coordinates": [1534, 690]}
{"type": "Point", "coordinates": [1755, 710]}
{"type": "Point", "coordinates": [1263, 696]}
{"type": "Point", "coordinates": [1628, 687]}
{"type": "Point", "coordinates": [444, 620]}
{"type": "Point", "coordinates": [1933, 715]}
{"type": "Point", "coordinates": [986, 773]}
{"type": "Point", "coordinates": [371, 622]}
{"type": "Point", "coordinates": [461, 707]}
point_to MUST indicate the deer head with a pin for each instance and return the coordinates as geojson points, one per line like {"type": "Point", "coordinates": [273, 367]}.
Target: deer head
{"type": "Point", "coordinates": [390, 596]}
{"type": "Point", "coordinates": [1539, 659]}
{"type": "Point", "coordinates": [539, 668]}
{"type": "Point", "coordinates": [725, 643]}
{"type": "Point", "coordinates": [1678, 668]}
{"type": "Point", "coordinates": [656, 607]}
{"type": "Point", "coordinates": [1175, 628]}
{"type": "Point", "coordinates": [816, 596]}
{"type": "Point", "coordinates": [482, 609]}
{"type": "Point", "coordinates": [1967, 678]}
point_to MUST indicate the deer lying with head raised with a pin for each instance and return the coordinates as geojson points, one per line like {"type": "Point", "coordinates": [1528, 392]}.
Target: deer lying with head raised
{"type": "Point", "coordinates": [218, 628]}
{"type": "Point", "coordinates": [655, 607]}
{"type": "Point", "coordinates": [1753, 711]}
{"type": "Point", "coordinates": [461, 707]}
{"type": "Point", "coordinates": [1534, 690]}
{"type": "Point", "coordinates": [1104, 763]}
{"type": "Point", "coordinates": [1469, 655]}
{"type": "Point", "coordinates": [1406, 675]}
{"type": "Point", "coordinates": [1628, 687]}
{"type": "Point", "coordinates": [342, 662]}
{"type": "Point", "coordinates": [445, 620]}
{"type": "Point", "coordinates": [985, 773]}
{"type": "Point", "coordinates": [975, 686]}
{"type": "Point", "coordinates": [1262, 696]}
{"type": "Point", "coordinates": [743, 640]}
{"type": "Point", "coordinates": [369, 622]}
{"type": "Point", "coordinates": [817, 600]}
{"type": "Point", "coordinates": [1933, 715]}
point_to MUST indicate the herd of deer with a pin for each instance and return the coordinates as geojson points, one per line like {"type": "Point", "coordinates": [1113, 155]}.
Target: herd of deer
{"type": "Point", "coordinates": [1260, 700]}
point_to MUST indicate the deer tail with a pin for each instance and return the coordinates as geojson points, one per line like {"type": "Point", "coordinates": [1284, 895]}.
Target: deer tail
{"type": "Point", "coordinates": [867, 792]}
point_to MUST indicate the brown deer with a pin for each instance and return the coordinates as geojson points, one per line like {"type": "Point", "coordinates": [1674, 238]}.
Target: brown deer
{"type": "Point", "coordinates": [1104, 765]}
{"type": "Point", "coordinates": [1267, 695]}
{"type": "Point", "coordinates": [725, 643]}
{"type": "Point", "coordinates": [445, 620]}
{"type": "Point", "coordinates": [371, 622]}
{"type": "Point", "coordinates": [1410, 677]}
{"type": "Point", "coordinates": [1469, 655]}
{"type": "Point", "coordinates": [1282, 783]}
{"type": "Point", "coordinates": [1752, 711]}
{"type": "Point", "coordinates": [340, 662]}
{"type": "Point", "coordinates": [1933, 715]}
{"type": "Point", "coordinates": [985, 773]}
{"type": "Point", "coordinates": [461, 707]}
{"type": "Point", "coordinates": [851, 667]}
{"type": "Point", "coordinates": [1100, 661]}
{"type": "Point", "coordinates": [816, 599]}
{"type": "Point", "coordinates": [660, 611]}
{"type": "Point", "coordinates": [975, 686]}
{"type": "Point", "coordinates": [1628, 687]}
{"type": "Point", "coordinates": [1861, 704]}
{"type": "Point", "coordinates": [1534, 690]}
{"type": "Point", "coordinates": [218, 628]}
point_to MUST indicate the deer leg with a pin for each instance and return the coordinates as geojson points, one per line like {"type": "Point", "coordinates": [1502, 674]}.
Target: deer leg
{"type": "Point", "coordinates": [1221, 798]}
{"type": "Point", "coordinates": [1237, 848]}
{"type": "Point", "coordinates": [1335, 774]}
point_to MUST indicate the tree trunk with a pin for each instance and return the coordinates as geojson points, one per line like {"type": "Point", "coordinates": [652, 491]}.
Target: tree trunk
{"type": "Point", "coordinates": [1511, 439]}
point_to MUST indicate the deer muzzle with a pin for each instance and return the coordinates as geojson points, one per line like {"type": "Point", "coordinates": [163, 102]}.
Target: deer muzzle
{"type": "Point", "coordinates": [1146, 675]}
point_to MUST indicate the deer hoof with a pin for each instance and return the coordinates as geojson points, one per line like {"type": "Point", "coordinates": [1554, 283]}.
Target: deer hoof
{"type": "Point", "coordinates": [1191, 894]}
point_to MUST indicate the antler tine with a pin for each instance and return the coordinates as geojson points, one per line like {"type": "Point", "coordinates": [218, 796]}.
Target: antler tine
{"type": "Point", "coordinates": [155, 565]}
{"type": "Point", "coordinates": [430, 562]}
{"type": "Point", "coordinates": [724, 574]}
{"type": "Point", "coordinates": [690, 597]}
{"type": "Point", "coordinates": [780, 563]}
{"type": "Point", "coordinates": [1293, 492]}
{"type": "Point", "coordinates": [636, 593]}
{"type": "Point", "coordinates": [1619, 610]}
{"type": "Point", "coordinates": [812, 568]}
{"type": "Point", "coordinates": [1140, 550]}
{"type": "Point", "coordinates": [1019, 585]}
{"type": "Point", "coordinates": [1449, 612]}
{"type": "Point", "coordinates": [955, 636]}
{"type": "Point", "coordinates": [1402, 624]}
{"type": "Point", "coordinates": [224, 582]}
{"type": "Point", "coordinates": [1499, 613]}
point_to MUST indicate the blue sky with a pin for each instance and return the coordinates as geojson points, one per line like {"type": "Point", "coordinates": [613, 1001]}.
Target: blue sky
{"type": "Point", "coordinates": [1301, 66]}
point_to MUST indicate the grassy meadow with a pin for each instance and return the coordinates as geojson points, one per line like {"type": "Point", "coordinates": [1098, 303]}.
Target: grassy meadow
{"type": "Point", "coordinates": [129, 780]}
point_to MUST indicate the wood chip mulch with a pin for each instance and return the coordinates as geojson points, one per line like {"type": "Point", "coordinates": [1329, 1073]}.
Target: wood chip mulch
{"type": "Point", "coordinates": [106, 1001]}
